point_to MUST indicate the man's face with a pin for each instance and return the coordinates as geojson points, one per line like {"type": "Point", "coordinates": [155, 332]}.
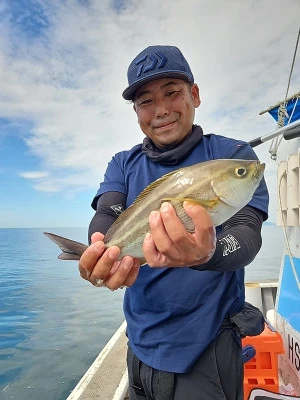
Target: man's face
{"type": "Point", "coordinates": [165, 109]}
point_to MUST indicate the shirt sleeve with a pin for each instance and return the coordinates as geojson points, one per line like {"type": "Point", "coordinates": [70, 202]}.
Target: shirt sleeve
{"type": "Point", "coordinates": [238, 243]}
{"type": "Point", "coordinates": [114, 180]}
{"type": "Point", "coordinates": [109, 206]}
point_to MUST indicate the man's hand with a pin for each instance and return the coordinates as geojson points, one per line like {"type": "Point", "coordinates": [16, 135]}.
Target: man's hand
{"type": "Point", "coordinates": [100, 266]}
{"type": "Point", "coordinates": [169, 243]}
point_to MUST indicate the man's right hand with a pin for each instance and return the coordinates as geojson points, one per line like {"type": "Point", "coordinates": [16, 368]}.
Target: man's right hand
{"type": "Point", "coordinates": [99, 265]}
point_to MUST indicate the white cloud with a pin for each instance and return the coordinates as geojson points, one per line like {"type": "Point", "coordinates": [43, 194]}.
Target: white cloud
{"type": "Point", "coordinates": [67, 81]}
{"type": "Point", "coordinates": [33, 174]}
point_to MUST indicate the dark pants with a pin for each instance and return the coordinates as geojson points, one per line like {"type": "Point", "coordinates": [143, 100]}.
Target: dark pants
{"type": "Point", "coordinates": [217, 374]}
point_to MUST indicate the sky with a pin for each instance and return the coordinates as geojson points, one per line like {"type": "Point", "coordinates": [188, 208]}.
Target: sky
{"type": "Point", "coordinates": [63, 67]}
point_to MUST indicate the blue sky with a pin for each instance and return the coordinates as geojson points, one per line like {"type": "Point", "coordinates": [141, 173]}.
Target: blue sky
{"type": "Point", "coordinates": [63, 68]}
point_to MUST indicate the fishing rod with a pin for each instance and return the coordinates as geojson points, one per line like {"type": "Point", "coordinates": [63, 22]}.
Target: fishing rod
{"type": "Point", "coordinates": [289, 132]}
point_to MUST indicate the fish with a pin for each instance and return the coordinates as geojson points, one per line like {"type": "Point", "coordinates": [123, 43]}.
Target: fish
{"type": "Point", "coordinates": [221, 186]}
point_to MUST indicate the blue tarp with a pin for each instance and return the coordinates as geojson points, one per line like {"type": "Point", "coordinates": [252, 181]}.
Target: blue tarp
{"type": "Point", "coordinates": [289, 108]}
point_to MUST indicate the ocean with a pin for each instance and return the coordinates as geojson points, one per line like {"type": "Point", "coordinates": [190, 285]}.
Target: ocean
{"type": "Point", "coordinates": [54, 324]}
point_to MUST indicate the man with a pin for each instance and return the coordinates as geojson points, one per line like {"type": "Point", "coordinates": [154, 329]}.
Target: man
{"type": "Point", "coordinates": [183, 343]}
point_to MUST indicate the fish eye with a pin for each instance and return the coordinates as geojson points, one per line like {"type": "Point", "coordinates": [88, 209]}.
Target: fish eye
{"type": "Point", "coordinates": [241, 171]}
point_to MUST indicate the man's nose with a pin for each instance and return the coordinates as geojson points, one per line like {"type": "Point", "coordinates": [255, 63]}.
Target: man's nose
{"type": "Point", "coordinates": [161, 108]}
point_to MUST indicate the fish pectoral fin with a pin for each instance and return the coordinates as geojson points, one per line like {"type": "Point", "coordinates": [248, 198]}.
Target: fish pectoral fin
{"type": "Point", "coordinates": [204, 203]}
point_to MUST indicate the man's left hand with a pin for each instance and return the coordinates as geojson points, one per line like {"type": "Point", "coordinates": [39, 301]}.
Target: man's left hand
{"type": "Point", "coordinates": [170, 244]}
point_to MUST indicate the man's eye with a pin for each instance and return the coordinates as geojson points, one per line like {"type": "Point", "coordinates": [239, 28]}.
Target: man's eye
{"type": "Point", "coordinates": [172, 92]}
{"type": "Point", "coordinates": [146, 101]}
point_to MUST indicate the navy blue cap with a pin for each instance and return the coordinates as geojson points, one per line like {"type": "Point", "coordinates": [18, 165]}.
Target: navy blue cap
{"type": "Point", "coordinates": [156, 62]}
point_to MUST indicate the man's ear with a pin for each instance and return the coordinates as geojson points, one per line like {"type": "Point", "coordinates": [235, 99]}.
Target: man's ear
{"type": "Point", "coordinates": [195, 95]}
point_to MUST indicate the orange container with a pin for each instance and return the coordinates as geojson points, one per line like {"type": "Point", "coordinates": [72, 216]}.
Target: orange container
{"type": "Point", "coordinates": [262, 370]}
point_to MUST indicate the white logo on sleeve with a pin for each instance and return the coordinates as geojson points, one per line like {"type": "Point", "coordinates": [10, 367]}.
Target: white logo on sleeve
{"type": "Point", "coordinates": [118, 208]}
{"type": "Point", "coordinates": [230, 244]}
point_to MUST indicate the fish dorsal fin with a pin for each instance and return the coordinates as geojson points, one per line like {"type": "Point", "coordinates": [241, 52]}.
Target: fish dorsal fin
{"type": "Point", "coordinates": [148, 189]}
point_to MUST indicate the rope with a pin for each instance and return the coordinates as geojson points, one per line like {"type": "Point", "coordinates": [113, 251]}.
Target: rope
{"type": "Point", "coordinates": [291, 116]}
{"type": "Point", "coordinates": [282, 112]}
{"type": "Point", "coordinates": [292, 68]}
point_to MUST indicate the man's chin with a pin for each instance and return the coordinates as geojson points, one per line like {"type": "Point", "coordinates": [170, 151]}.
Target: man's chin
{"type": "Point", "coordinates": [166, 143]}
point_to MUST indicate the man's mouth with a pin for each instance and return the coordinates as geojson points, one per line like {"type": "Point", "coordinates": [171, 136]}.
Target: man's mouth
{"type": "Point", "coordinates": [165, 125]}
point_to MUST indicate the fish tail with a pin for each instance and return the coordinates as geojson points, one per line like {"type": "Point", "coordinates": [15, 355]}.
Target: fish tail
{"type": "Point", "coordinates": [71, 250]}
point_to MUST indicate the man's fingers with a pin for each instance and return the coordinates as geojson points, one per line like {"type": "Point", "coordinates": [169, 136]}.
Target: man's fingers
{"type": "Point", "coordinates": [151, 254]}
{"type": "Point", "coordinates": [89, 258]}
{"type": "Point", "coordinates": [171, 244]}
{"type": "Point", "coordinates": [97, 236]}
{"type": "Point", "coordinates": [133, 273]}
{"type": "Point", "coordinates": [199, 214]}
{"type": "Point", "coordinates": [204, 229]}
{"type": "Point", "coordinates": [123, 274]}
{"type": "Point", "coordinates": [172, 224]}
{"type": "Point", "coordinates": [104, 264]}
{"type": "Point", "coordinates": [160, 224]}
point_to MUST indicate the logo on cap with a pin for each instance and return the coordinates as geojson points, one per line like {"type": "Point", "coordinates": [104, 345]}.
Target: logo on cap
{"type": "Point", "coordinates": [155, 58]}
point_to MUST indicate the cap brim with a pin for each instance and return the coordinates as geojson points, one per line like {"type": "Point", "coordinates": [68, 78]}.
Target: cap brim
{"type": "Point", "coordinates": [130, 91]}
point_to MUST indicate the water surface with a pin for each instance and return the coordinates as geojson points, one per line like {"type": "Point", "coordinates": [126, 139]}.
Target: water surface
{"type": "Point", "coordinates": [53, 324]}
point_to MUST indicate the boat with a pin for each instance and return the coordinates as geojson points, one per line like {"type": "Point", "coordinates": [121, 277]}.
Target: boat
{"type": "Point", "coordinates": [278, 347]}
{"type": "Point", "coordinates": [286, 314]}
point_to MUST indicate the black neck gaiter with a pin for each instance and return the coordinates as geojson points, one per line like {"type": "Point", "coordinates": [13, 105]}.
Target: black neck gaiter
{"type": "Point", "coordinates": [172, 156]}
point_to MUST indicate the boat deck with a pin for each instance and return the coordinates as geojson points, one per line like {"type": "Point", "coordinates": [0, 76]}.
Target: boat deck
{"type": "Point", "coordinates": [106, 379]}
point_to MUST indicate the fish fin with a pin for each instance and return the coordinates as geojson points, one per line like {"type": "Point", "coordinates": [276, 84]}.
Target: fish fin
{"type": "Point", "coordinates": [71, 250]}
{"type": "Point", "coordinates": [143, 261]}
{"type": "Point", "coordinates": [68, 256]}
{"type": "Point", "coordinates": [204, 203]}
{"type": "Point", "coordinates": [154, 185]}
{"type": "Point", "coordinates": [148, 189]}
